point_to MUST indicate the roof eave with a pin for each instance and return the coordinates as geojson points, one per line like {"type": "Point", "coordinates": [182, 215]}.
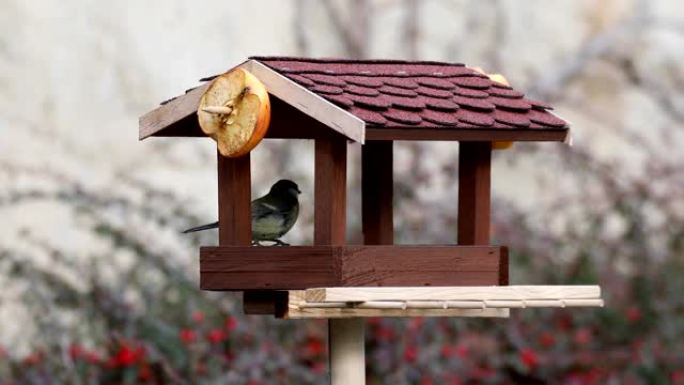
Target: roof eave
{"type": "Point", "coordinates": [278, 85]}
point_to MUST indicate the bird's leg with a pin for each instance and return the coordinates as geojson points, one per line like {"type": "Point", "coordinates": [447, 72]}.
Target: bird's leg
{"type": "Point", "coordinates": [256, 243]}
{"type": "Point", "coordinates": [278, 242]}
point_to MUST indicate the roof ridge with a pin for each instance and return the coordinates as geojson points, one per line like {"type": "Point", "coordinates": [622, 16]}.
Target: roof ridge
{"type": "Point", "coordinates": [348, 60]}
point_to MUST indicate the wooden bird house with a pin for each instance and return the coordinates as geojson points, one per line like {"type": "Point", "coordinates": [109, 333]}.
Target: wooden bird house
{"type": "Point", "coordinates": [373, 104]}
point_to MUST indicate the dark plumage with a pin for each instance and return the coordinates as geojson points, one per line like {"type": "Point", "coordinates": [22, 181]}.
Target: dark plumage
{"type": "Point", "coordinates": [273, 215]}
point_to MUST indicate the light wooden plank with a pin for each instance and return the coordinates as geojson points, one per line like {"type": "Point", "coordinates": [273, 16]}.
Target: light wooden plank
{"type": "Point", "coordinates": [309, 103]}
{"type": "Point", "coordinates": [170, 113]}
{"type": "Point", "coordinates": [446, 293]}
{"type": "Point", "coordinates": [297, 310]}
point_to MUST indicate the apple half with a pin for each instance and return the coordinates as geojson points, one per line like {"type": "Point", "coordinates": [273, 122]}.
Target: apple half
{"type": "Point", "coordinates": [235, 111]}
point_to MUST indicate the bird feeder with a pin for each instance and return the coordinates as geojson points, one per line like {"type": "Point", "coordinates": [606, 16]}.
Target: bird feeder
{"type": "Point", "coordinates": [372, 104]}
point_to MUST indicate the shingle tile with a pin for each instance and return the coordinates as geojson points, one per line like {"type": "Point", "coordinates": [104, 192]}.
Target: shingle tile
{"type": "Point", "coordinates": [435, 93]}
{"type": "Point", "coordinates": [472, 82]}
{"type": "Point", "coordinates": [470, 93]}
{"type": "Point", "coordinates": [505, 93]}
{"type": "Point", "coordinates": [374, 102]}
{"type": "Point", "coordinates": [396, 91]}
{"type": "Point", "coordinates": [365, 81]}
{"type": "Point", "coordinates": [365, 91]}
{"type": "Point", "coordinates": [472, 118]}
{"type": "Point", "coordinates": [402, 116]}
{"type": "Point", "coordinates": [438, 83]}
{"type": "Point", "coordinates": [369, 116]}
{"type": "Point", "coordinates": [512, 118]}
{"type": "Point", "coordinates": [401, 83]}
{"type": "Point", "coordinates": [439, 104]}
{"type": "Point", "coordinates": [440, 118]}
{"type": "Point", "coordinates": [326, 79]}
{"type": "Point", "coordinates": [408, 103]}
{"type": "Point", "coordinates": [324, 89]}
{"type": "Point", "coordinates": [511, 104]}
{"type": "Point", "coordinates": [546, 119]}
{"type": "Point", "coordinates": [472, 103]}
{"type": "Point", "coordinates": [340, 100]}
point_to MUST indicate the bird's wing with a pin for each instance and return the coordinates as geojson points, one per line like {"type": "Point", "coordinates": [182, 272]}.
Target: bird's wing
{"type": "Point", "coordinates": [261, 208]}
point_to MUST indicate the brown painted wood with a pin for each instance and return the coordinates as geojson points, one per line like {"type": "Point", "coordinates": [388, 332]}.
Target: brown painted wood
{"type": "Point", "coordinates": [503, 273]}
{"type": "Point", "coordinates": [234, 195]}
{"type": "Point", "coordinates": [330, 189]}
{"type": "Point", "coordinates": [377, 184]}
{"type": "Point", "coordinates": [467, 134]}
{"type": "Point", "coordinates": [300, 267]}
{"type": "Point", "coordinates": [474, 195]}
{"type": "Point", "coordinates": [241, 268]}
{"type": "Point", "coordinates": [419, 265]}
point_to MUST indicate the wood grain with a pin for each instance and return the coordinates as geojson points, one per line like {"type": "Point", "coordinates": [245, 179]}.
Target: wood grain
{"type": "Point", "coordinates": [377, 182]}
{"type": "Point", "coordinates": [330, 189]}
{"type": "Point", "coordinates": [464, 293]}
{"type": "Point", "coordinates": [474, 195]}
{"type": "Point", "coordinates": [171, 113]}
{"type": "Point", "coordinates": [296, 310]}
{"type": "Point", "coordinates": [300, 267]}
{"type": "Point", "coordinates": [234, 194]}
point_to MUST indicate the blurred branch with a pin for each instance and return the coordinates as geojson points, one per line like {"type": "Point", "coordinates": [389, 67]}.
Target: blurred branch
{"type": "Point", "coordinates": [354, 31]}
{"type": "Point", "coordinates": [299, 26]}
{"type": "Point", "coordinates": [410, 35]}
{"type": "Point", "coordinates": [550, 83]}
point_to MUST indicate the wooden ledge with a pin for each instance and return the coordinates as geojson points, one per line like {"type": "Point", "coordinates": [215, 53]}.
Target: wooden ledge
{"type": "Point", "coordinates": [473, 301]}
{"type": "Point", "coordinates": [303, 267]}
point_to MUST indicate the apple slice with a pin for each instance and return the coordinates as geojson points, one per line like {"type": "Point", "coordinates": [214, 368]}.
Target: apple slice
{"type": "Point", "coordinates": [235, 111]}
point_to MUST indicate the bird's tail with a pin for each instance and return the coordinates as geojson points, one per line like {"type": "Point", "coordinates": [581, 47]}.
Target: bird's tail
{"type": "Point", "coordinates": [200, 228]}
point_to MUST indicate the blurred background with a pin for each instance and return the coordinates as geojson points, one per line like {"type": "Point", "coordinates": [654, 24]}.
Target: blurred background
{"type": "Point", "coordinates": [98, 286]}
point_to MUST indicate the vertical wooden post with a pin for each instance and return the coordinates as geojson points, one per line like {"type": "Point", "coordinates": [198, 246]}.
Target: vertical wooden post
{"type": "Point", "coordinates": [377, 184]}
{"type": "Point", "coordinates": [234, 201]}
{"type": "Point", "coordinates": [474, 194]}
{"type": "Point", "coordinates": [330, 189]}
{"type": "Point", "coordinates": [345, 336]}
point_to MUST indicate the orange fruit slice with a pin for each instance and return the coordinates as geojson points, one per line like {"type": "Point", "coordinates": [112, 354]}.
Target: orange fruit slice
{"type": "Point", "coordinates": [235, 111]}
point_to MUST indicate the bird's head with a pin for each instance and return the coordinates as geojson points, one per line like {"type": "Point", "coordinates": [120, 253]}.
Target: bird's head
{"type": "Point", "coordinates": [285, 186]}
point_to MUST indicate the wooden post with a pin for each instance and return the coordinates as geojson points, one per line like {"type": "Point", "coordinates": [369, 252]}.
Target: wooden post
{"type": "Point", "coordinates": [345, 336]}
{"type": "Point", "coordinates": [377, 184]}
{"type": "Point", "coordinates": [474, 195]}
{"type": "Point", "coordinates": [234, 201]}
{"type": "Point", "coordinates": [330, 190]}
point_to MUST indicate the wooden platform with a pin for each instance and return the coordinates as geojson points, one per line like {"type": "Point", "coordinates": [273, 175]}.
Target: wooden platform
{"type": "Point", "coordinates": [474, 301]}
{"type": "Point", "coordinates": [303, 267]}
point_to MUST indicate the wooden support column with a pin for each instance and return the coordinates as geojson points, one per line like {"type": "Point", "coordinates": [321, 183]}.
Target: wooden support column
{"type": "Point", "coordinates": [234, 201]}
{"type": "Point", "coordinates": [377, 184]}
{"type": "Point", "coordinates": [474, 194]}
{"type": "Point", "coordinates": [330, 189]}
{"type": "Point", "coordinates": [345, 336]}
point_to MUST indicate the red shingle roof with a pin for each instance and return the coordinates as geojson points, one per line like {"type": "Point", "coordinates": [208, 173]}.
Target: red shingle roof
{"type": "Point", "coordinates": [392, 93]}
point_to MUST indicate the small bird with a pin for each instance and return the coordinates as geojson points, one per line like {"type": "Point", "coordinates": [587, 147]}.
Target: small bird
{"type": "Point", "coordinates": [273, 214]}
